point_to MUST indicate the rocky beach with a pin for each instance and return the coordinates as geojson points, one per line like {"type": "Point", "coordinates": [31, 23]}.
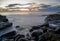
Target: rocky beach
{"type": "Point", "coordinates": [31, 27]}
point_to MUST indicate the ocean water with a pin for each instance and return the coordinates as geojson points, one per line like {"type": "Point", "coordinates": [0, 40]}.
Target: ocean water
{"type": "Point", "coordinates": [27, 18]}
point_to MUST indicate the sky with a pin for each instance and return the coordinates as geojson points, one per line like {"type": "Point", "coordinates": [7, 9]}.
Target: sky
{"type": "Point", "coordinates": [51, 2]}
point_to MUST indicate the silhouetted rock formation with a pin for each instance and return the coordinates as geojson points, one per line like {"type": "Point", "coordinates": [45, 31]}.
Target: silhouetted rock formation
{"type": "Point", "coordinates": [6, 29]}
{"type": "Point", "coordinates": [52, 17]}
{"type": "Point", "coordinates": [4, 23]}
{"type": "Point", "coordinates": [3, 18]}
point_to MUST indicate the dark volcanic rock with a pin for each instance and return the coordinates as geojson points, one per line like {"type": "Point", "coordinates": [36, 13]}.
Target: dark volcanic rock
{"type": "Point", "coordinates": [4, 22]}
{"type": "Point", "coordinates": [3, 18]}
{"type": "Point", "coordinates": [52, 17]}
{"type": "Point", "coordinates": [6, 28]}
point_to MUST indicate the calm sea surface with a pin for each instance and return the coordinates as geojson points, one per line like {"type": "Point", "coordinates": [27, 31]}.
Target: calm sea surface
{"type": "Point", "coordinates": [26, 19]}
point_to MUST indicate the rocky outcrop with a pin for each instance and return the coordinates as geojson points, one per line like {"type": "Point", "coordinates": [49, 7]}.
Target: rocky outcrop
{"type": "Point", "coordinates": [36, 33]}
{"type": "Point", "coordinates": [6, 28]}
{"type": "Point", "coordinates": [4, 23]}
{"type": "Point", "coordinates": [52, 17]}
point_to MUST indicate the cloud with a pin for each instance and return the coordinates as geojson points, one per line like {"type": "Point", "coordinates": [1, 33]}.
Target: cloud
{"type": "Point", "coordinates": [45, 5]}
{"type": "Point", "coordinates": [52, 9]}
{"type": "Point", "coordinates": [52, 2]}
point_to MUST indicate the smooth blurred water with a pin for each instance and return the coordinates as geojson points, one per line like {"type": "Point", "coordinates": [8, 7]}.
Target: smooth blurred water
{"type": "Point", "coordinates": [27, 19]}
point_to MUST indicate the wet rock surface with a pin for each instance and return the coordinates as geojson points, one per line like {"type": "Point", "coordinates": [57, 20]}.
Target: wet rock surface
{"type": "Point", "coordinates": [49, 31]}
